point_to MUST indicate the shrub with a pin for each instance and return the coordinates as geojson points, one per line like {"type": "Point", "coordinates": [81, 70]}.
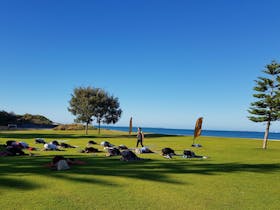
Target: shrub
{"type": "Point", "coordinates": [73, 127]}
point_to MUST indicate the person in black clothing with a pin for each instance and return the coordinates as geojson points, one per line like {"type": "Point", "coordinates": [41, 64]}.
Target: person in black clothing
{"type": "Point", "coordinates": [140, 137]}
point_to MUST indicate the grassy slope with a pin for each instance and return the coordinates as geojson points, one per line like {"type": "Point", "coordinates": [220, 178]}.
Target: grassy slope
{"type": "Point", "coordinates": [238, 175]}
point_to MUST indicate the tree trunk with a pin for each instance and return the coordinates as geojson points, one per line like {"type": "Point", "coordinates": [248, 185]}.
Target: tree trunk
{"type": "Point", "coordinates": [266, 135]}
{"type": "Point", "coordinates": [130, 126]}
{"type": "Point", "coordinates": [87, 129]}
{"type": "Point", "coordinates": [98, 127]}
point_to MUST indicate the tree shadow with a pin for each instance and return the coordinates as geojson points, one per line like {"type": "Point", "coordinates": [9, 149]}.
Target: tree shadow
{"type": "Point", "coordinates": [13, 183]}
{"type": "Point", "coordinates": [73, 136]}
{"type": "Point", "coordinates": [148, 135]}
{"type": "Point", "coordinates": [44, 135]}
{"type": "Point", "coordinates": [69, 176]}
{"type": "Point", "coordinates": [149, 170]}
{"type": "Point", "coordinates": [154, 135]}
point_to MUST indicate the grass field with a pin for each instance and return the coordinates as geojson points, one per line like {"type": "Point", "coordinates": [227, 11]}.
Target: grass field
{"type": "Point", "coordinates": [237, 175]}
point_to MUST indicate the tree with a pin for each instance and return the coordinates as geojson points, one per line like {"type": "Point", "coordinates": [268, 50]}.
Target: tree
{"type": "Point", "coordinates": [12, 118]}
{"type": "Point", "coordinates": [108, 111]}
{"type": "Point", "coordinates": [267, 107]}
{"type": "Point", "coordinates": [33, 119]}
{"type": "Point", "coordinates": [7, 118]}
{"type": "Point", "coordinates": [130, 126]}
{"type": "Point", "coordinates": [89, 103]}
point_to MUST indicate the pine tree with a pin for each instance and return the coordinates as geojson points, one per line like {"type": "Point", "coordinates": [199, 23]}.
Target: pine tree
{"type": "Point", "coordinates": [267, 107]}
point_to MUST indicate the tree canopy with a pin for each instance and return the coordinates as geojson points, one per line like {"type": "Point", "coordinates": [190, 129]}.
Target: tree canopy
{"type": "Point", "coordinates": [7, 118]}
{"type": "Point", "coordinates": [89, 103]}
{"type": "Point", "coordinates": [267, 93]}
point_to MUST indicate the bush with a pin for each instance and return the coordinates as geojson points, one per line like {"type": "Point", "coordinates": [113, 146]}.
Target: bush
{"type": "Point", "coordinates": [73, 127]}
{"type": "Point", "coordinates": [12, 118]}
{"type": "Point", "coordinates": [34, 119]}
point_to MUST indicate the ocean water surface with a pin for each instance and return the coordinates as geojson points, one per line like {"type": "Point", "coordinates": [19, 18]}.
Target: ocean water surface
{"type": "Point", "coordinates": [189, 132]}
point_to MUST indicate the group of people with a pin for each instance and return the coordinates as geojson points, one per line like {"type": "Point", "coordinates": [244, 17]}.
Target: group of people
{"type": "Point", "coordinates": [60, 163]}
{"type": "Point", "coordinates": [165, 152]}
{"type": "Point", "coordinates": [15, 148]}
{"type": "Point", "coordinates": [53, 145]}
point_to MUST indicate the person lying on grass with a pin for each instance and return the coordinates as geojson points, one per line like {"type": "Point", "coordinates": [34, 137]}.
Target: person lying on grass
{"type": "Point", "coordinates": [65, 145]}
{"type": "Point", "coordinates": [122, 147]}
{"type": "Point", "coordinates": [49, 147]}
{"type": "Point", "coordinates": [167, 152]}
{"type": "Point", "coordinates": [143, 150]}
{"type": "Point", "coordinates": [90, 143]}
{"type": "Point", "coordinates": [89, 150]}
{"type": "Point", "coordinates": [190, 154]}
{"type": "Point", "coordinates": [59, 163]}
{"type": "Point", "coordinates": [40, 141]}
{"type": "Point", "coordinates": [113, 151]}
{"type": "Point", "coordinates": [128, 155]}
{"type": "Point", "coordinates": [106, 144]}
{"type": "Point", "coordinates": [21, 145]}
{"type": "Point", "coordinates": [12, 150]}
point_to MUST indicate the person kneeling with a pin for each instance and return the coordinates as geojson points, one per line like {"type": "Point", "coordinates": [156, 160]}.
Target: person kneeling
{"type": "Point", "coordinates": [128, 155]}
{"type": "Point", "coordinates": [61, 163]}
{"type": "Point", "coordinates": [191, 154]}
{"type": "Point", "coordinates": [167, 152]}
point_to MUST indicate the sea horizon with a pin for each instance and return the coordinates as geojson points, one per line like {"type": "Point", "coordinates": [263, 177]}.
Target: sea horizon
{"type": "Point", "coordinates": [205, 132]}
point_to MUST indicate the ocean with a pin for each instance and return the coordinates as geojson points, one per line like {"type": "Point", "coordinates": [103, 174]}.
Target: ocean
{"type": "Point", "coordinates": [189, 132]}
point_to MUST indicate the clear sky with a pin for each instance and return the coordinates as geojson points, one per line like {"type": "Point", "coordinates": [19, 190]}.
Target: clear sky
{"type": "Point", "coordinates": [168, 62]}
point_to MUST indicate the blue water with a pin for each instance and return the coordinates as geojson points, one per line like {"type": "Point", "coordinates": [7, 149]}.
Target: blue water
{"type": "Point", "coordinates": [189, 132]}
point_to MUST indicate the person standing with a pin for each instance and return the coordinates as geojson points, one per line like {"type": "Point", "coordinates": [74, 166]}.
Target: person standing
{"type": "Point", "coordinates": [140, 137]}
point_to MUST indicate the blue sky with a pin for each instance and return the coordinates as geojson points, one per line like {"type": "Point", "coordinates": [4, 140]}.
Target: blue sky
{"type": "Point", "coordinates": [168, 62]}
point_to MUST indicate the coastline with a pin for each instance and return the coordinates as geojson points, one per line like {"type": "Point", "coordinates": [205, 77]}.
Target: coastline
{"type": "Point", "coordinates": [206, 133]}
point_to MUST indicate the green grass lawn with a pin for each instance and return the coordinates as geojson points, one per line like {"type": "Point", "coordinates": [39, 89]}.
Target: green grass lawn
{"type": "Point", "coordinates": [238, 175]}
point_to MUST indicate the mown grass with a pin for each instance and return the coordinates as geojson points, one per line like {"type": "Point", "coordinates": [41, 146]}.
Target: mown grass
{"type": "Point", "coordinates": [237, 175]}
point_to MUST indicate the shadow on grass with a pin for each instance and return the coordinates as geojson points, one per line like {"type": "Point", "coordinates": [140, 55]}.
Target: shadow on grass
{"type": "Point", "coordinates": [44, 135]}
{"type": "Point", "coordinates": [12, 135]}
{"type": "Point", "coordinates": [13, 183]}
{"type": "Point", "coordinates": [148, 135]}
{"type": "Point", "coordinates": [150, 170]}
